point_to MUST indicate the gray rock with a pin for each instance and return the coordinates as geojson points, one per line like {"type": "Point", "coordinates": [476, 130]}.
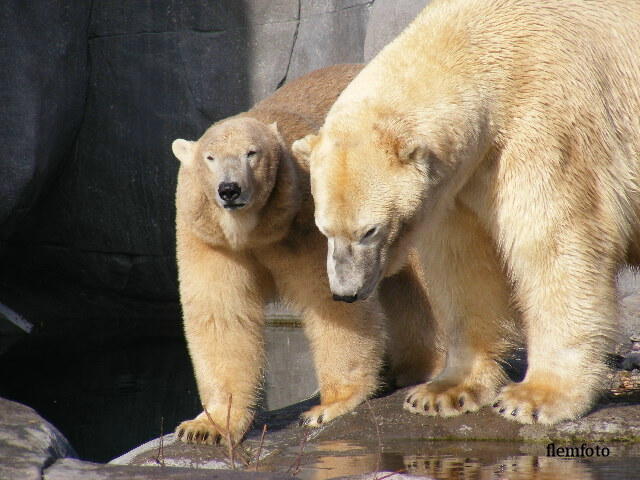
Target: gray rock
{"type": "Point", "coordinates": [388, 19]}
{"type": "Point", "coordinates": [631, 361]}
{"type": "Point", "coordinates": [28, 443]}
{"type": "Point", "coordinates": [69, 469]}
{"type": "Point", "coordinates": [611, 423]}
{"type": "Point", "coordinates": [43, 78]}
{"type": "Point", "coordinates": [330, 32]}
{"type": "Point", "coordinates": [628, 283]}
{"type": "Point", "coordinates": [104, 234]}
{"type": "Point", "coordinates": [290, 377]}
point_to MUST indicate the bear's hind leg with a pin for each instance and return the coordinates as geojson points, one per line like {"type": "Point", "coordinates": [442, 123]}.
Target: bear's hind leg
{"type": "Point", "coordinates": [413, 351]}
{"type": "Point", "coordinates": [471, 303]}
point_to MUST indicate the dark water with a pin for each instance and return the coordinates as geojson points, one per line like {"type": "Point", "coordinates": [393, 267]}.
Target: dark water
{"type": "Point", "coordinates": [106, 400]}
{"type": "Point", "coordinates": [110, 398]}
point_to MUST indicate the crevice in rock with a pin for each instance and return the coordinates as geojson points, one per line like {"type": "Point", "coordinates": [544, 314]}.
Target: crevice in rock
{"type": "Point", "coordinates": [163, 32]}
{"type": "Point", "coordinates": [293, 46]}
{"type": "Point", "coordinates": [338, 10]}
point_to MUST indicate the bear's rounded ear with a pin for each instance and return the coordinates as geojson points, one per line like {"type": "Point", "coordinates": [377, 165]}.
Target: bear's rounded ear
{"type": "Point", "coordinates": [183, 150]}
{"type": "Point", "coordinates": [302, 148]}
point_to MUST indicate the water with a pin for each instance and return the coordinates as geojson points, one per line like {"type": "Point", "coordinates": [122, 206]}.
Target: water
{"type": "Point", "coordinates": [447, 467]}
{"type": "Point", "coordinates": [457, 460]}
{"type": "Point", "coordinates": [105, 400]}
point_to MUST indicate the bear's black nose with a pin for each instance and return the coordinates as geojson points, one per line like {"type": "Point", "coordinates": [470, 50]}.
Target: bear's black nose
{"type": "Point", "coordinates": [345, 298]}
{"type": "Point", "coordinates": [229, 191]}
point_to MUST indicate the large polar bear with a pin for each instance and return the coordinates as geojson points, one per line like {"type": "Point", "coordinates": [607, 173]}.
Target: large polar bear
{"type": "Point", "coordinates": [504, 137]}
{"type": "Point", "coordinates": [245, 235]}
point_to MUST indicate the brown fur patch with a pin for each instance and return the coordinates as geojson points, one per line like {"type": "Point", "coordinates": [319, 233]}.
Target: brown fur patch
{"type": "Point", "coordinates": [338, 393]}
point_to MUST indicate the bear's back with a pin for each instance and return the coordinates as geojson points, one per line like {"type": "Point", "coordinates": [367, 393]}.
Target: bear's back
{"type": "Point", "coordinates": [300, 106]}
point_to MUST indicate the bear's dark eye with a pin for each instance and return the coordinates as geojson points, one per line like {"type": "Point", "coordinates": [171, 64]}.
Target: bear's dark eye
{"type": "Point", "coordinates": [370, 233]}
{"type": "Point", "coordinates": [251, 153]}
{"type": "Point", "coordinates": [210, 158]}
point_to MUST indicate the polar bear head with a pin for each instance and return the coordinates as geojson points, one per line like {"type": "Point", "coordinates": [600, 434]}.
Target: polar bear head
{"type": "Point", "coordinates": [236, 159]}
{"type": "Point", "coordinates": [368, 187]}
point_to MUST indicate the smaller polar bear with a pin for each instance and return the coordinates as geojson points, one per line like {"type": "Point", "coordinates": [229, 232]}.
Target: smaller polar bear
{"type": "Point", "coordinates": [507, 132]}
{"type": "Point", "coordinates": [245, 235]}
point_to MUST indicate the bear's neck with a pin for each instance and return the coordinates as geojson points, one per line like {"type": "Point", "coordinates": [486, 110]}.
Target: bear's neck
{"type": "Point", "coordinates": [275, 218]}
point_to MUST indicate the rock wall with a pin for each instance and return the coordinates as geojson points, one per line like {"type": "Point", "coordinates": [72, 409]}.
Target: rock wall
{"type": "Point", "coordinates": [96, 93]}
{"type": "Point", "coordinates": [387, 19]}
{"type": "Point", "coordinates": [44, 81]}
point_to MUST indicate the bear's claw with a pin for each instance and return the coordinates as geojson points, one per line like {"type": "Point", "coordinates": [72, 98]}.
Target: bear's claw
{"type": "Point", "coordinates": [199, 432]}
{"type": "Point", "coordinates": [433, 400]}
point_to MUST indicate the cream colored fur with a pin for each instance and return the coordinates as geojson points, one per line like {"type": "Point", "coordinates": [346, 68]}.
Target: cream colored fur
{"type": "Point", "coordinates": [504, 136]}
{"type": "Point", "coordinates": [231, 262]}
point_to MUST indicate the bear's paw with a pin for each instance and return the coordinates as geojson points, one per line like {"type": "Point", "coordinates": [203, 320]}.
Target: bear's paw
{"type": "Point", "coordinates": [203, 430]}
{"type": "Point", "coordinates": [337, 401]}
{"type": "Point", "coordinates": [544, 403]}
{"type": "Point", "coordinates": [443, 399]}
{"type": "Point", "coordinates": [198, 431]}
{"type": "Point", "coordinates": [322, 414]}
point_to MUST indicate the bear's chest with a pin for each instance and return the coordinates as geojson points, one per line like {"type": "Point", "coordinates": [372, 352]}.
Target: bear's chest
{"type": "Point", "coordinates": [237, 227]}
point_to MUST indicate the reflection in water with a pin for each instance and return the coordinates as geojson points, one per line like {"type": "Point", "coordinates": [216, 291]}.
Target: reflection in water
{"type": "Point", "coordinates": [525, 467]}
{"type": "Point", "coordinates": [347, 459]}
{"type": "Point", "coordinates": [485, 461]}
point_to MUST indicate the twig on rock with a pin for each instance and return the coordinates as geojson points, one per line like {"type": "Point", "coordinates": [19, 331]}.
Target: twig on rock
{"type": "Point", "coordinates": [295, 468]}
{"type": "Point", "coordinates": [230, 445]}
{"type": "Point", "coordinates": [264, 430]}
{"type": "Point", "coordinates": [159, 459]}
{"type": "Point", "coordinates": [375, 423]}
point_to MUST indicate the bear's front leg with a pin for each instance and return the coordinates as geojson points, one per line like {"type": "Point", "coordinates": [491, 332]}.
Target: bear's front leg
{"type": "Point", "coordinates": [470, 300]}
{"type": "Point", "coordinates": [222, 305]}
{"type": "Point", "coordinates": [566, 238]}
{"type": "Point", "coordinates": [348, 343]}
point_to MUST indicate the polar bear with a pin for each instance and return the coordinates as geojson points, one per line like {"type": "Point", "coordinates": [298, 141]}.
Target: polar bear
{"type": "Point", "coordinates": [245, 235]}
{"type": "Point", "coordinates": [504, 136]}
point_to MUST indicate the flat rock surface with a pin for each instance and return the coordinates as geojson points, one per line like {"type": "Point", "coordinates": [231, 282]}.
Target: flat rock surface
{"type": "Point", "coordinates": [70, 469]}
